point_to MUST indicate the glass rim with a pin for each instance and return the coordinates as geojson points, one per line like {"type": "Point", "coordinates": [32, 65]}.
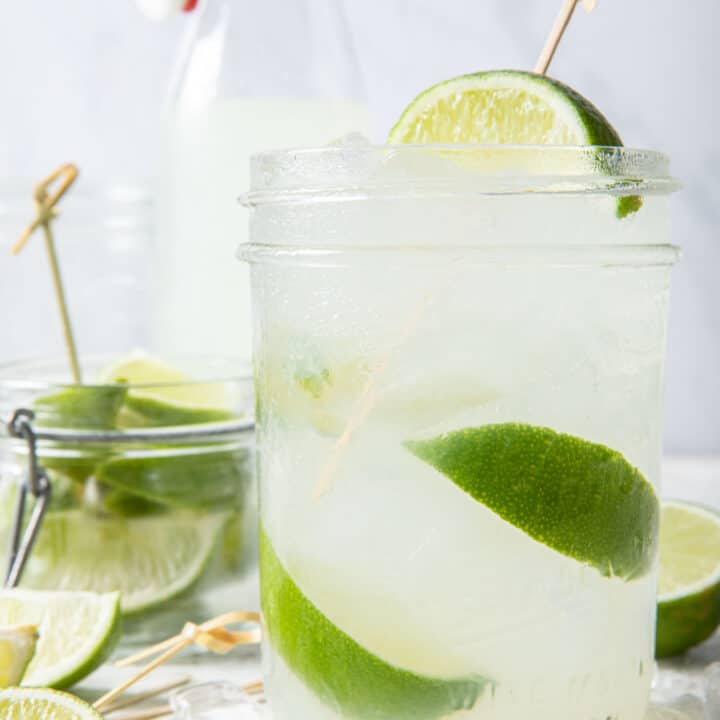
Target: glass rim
{"type": "Point", "coordinates": [355, 172]}
{"type": "Point", "coordinates": [11, 374]}
{"type": "Point", "coordinates": [22, 381]}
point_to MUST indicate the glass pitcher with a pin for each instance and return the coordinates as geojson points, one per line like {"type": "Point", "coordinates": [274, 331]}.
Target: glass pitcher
{"type": "Point", "coordinates": [250, 76]}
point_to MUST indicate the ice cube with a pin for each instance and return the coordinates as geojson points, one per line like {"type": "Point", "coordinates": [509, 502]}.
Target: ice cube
{"type": "Point", "coordinates": [351, 140]}
{"type": "Point", "coordinates": [216, 700]}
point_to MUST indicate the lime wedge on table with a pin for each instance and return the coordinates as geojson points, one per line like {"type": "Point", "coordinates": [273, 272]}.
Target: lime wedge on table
{"type": "Point", "coordinates": [41, 704]}
{"type": "Point", "coordinates": [689, 580]}
{"type": "Point", "coordinates": [507, 107]}
{"type": "Point", "coordinates": [579, 498]}
{"type": "Point", "coordinates": [169, 398]}
{"type": "Point", "coordinates": [77, 632]}
{"type": "Point", "coordinates": [17, 647]}
{"type": "Point", "coordinates": [351, 680]}
{"type": "Point", "coordinates": [147, 559]}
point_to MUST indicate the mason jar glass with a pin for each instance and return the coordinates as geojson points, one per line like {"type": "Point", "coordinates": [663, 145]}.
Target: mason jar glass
{"type": "Point", "coordinates": [459, 360]}
{"type": "Point", "coordinates": [151, 489]}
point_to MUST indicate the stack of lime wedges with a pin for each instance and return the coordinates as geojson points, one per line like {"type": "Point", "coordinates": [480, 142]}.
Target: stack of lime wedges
{"type": "Point", "coordinates": [144, 523]}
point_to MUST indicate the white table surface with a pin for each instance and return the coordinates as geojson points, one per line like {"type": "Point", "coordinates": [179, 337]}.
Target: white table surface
{"type": "Point", "coordinates": [689, 478]}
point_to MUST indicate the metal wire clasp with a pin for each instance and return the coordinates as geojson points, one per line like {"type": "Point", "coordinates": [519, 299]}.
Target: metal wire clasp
{"type": "Point", "coordinates": [37, 483]}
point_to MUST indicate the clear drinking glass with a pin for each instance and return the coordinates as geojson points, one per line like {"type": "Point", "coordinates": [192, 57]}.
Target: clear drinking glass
{"type": "Point", "coordinates": [458, 361]}
{"type": "Point", "coordinates": [152, 493]}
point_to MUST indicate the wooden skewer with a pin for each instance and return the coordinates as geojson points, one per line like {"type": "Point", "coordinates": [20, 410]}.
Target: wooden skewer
{"type": "Point", "coordinates": [211, 629]}
{"type": "Point", "coordinates": [553, 40]}
{"type": "Point", "coordinates": [254, 687]}
{"type": "Point", "coordinates": [45, 203]}
{"type": "Point", "coordinates": [211, 635]}
{"type": "Point", "coordinates": [68, 173]}
{"type": "Point", "coordinates": [159, 711]}
{"type": "Point", "coordinates": [165, 710]}
{"type": "Point", "coordinates": [140, 697]}
{"type": "Point", "coordinates": [120, 689]}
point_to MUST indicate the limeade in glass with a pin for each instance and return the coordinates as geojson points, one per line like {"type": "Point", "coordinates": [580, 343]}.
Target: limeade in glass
{"type": "Point", "coordinates": [459, 361]}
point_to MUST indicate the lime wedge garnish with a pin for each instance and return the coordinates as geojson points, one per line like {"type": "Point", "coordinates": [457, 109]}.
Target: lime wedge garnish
{"type": "Point", "coordinates": [343, 674]}
{"type": "Point", "coordinates": [689, 580]}
{"type": "Point", "coordinates": [147, 559]}
{"type": "Point", "coordinates": [181, 477]}
{"type": "Point", "coordinates": [170, 397]}
{"type": "Point", "coordinates": [77, 632]}
{"type": "Point", "coordinates": [41, 704]}
{"type": "Point", "coordinates": [507, 107]}
{"type": "Point", "coordinates": [503, 106]}
{"type": "Point", "coordinates": [17, 647]}
{"type": "Point", "coordinates": [579, 498]}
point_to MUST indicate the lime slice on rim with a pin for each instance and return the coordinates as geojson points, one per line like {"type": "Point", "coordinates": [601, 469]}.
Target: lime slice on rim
{"type": "Point", "coordinates": [170, 398]}
{"type": "Point", "coordinates": [582, 499]}
{"type": "Point", "coordinates": [40, 704]}
{"type": "Point", "coordinates": [689, 579]}
{"type": "Point", "coordinates": [147, 559]}
{"type": "Point", "coordinates": [503, 106]}
{"type": "Point", "coordinates": [77, 631]}
{"type": "Point", "coordinates": [17, 647]}
{"type": "Point", "coordinates": [343, 674]}
{"type": "Point", "coordinates": [507, 107]}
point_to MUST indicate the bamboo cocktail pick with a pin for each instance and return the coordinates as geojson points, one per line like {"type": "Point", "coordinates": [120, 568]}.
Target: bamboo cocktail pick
{"type": "Point", "coordinates": [212, 635]}
{"type": "Point", "coordinates": [45, 202]}
{"type": "Point", "coordinates": [368, 396]}
{"type": "Point", "coordinates": [558, 29]}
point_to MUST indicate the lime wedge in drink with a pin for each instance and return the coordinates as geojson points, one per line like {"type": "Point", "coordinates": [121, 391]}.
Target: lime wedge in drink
{"type": "Point", "coordinates": [77, 632]}
{"type": "Point", "coordinates": [579, 498]}
{"type": "Point", "coordinates": [147, 559]}
{"type": "Point", "coordinates": [17, 647]}
{"type": "Point", "coordinates": [180, 477]}
{"type": "Point", "coordinates": [40, 704]}
{"type": "Point", "coordinates": [507, 107]}
{"type": "Point", "coordinates": [328, 393]}
{"type": "Point", "coordinates": [169, 399]}
{"type": "Point", "coordinates": [305, 387]}
{"type": "Point", "coordinates": [689, 580]}
{"type": "Point", "coordinates": [351, 680]}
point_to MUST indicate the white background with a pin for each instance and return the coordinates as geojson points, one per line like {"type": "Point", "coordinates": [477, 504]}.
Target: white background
{"type": "Point", "coordinates": [85, 80]}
